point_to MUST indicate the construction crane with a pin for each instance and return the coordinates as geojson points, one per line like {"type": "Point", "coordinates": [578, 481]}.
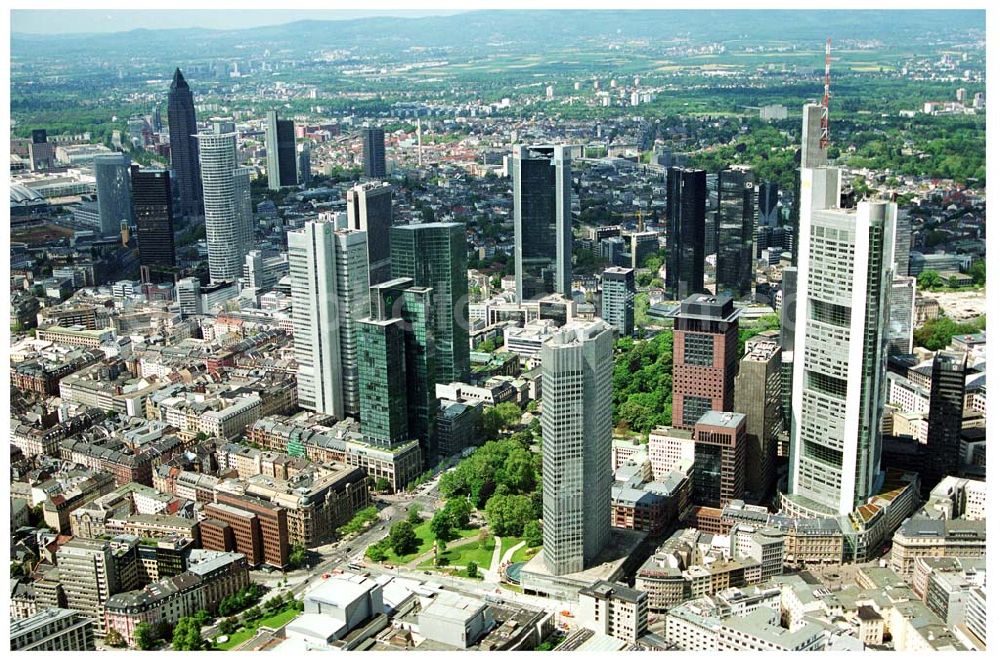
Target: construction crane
{"type": "Point", "coordinates": [824, 133]}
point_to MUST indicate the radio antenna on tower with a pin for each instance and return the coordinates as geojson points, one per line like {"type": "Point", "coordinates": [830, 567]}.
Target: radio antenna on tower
{"type": "Point", "coordinates": [824, 136]}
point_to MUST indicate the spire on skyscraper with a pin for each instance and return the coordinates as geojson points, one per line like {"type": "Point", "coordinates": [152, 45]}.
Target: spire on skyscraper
{"type": "Point", "coordinates": [178, 82]}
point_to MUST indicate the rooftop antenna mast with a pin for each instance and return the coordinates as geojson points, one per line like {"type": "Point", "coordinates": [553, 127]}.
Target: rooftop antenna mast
{"type": "Point", "coordinates": [824, 134]}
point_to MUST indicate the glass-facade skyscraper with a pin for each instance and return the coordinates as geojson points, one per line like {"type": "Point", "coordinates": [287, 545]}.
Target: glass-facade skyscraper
{"type": "Point", "coordinates": [373, 150]}
{"type": "Point", "coordinates": [184, 144]}
{"type": "Point", "coordinates": [734, 271]}
{"type": "Point", "coordinates": [686, 232]}
{"type": "Point", "coordinates": [152, 205]}
{"type": "Point", "coordinates": [543, 230]}
{"type": "Point", "coordinates": [435, 255]}
{"type": "Point", "coordinates": [114, 192]}
{"type": "Point", "coordinates": [281, 165]}
{"type": "Point", "coordinates": [618, 300]}
{"type": "Point", "coordinates": [369, 208]}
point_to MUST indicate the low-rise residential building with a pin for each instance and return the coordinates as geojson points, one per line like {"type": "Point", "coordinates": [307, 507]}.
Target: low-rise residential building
{"type": "Point", "coordinates": [615, 610]}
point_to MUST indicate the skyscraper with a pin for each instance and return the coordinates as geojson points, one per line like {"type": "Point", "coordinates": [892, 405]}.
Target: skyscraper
{"type": "Point", "coordinates": [902, 310]}
{"type": "Point", "coordinates": [734, 271]}
{"type": "Point", "coordinates": [942, 456]}
{"type": "Point", "coordinates": [281, 165]}
{"type": "Point", "coordinates": [369, 208]}
{"type": "Point", "coordinates": [303, 163]}
{"type": "Point", "coordinates": [845, 275]}
{"type": "Point", "coordinates": [618, 300]}
{"type": "Point", "coordinates": [767, 203]}
{"type": "Point", "coordinates": [758, 396]}
{"type": "Point", "coordinates": [184, 144]}
{"type": "Point", "coordinates": [41, 152]}
{"type": "Point", "coordinates": [706, 331]}
{"type": "Point", "coordinates": [686, 221]}
{"type": "Point", "coordinates": [152, 204]}
{"type": "Point", "coordinates": [328, 268]}
{"type": "Point", "coordinates": [904, 230]}
{"type": "Point", "coordinates": [373, 148]}
{"type": "Point", "coordinates": [396, 353]}
{"type": "Point", "coordinates": [435, 255]}
{"type": "Point", "coordinates": [719, 459]}
{"type": "Point", "coordinates": [114, 192]}
{"type": "Point", "coordinates": [226, 190]}
{"type": "Point", "coordinates": [543, 230]}
{"type": "Point", "coordinates": [577, 364]}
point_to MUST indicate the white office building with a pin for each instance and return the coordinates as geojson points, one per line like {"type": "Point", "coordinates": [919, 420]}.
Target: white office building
{"type": "Point", "coordinates": [228, 213]}
{"type": "Point", "coordinates": [577, 365]}
{"type": "Point", "coordinates": [328, 268]}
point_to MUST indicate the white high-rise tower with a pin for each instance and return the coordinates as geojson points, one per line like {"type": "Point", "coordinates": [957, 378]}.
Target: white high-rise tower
{"type": "Point", "coordinates": [328, 268]}
{"type": "Point", "coordinates": [838, 385]}
{"type": "Point", "coordinates": [226, 191]}
{"type": "Point", "coordinates": [577, 364]}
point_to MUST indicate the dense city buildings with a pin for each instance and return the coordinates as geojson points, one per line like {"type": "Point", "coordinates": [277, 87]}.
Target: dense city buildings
{"type": "Point", "coordinates": [543, 233]}
{"type": "Point", "coordinates": [226, 189]}
{"type": "Point", "coordinates": [576, 450]}
{"type": "Point", "coordinates": [184, 145]}
{"type": "Point", "coordinates": [706, 329]}
{"type": "Point", "coordinates": [281, 158]}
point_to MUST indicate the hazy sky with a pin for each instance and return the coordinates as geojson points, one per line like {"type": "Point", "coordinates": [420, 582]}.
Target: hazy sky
{"type": "Point", "coordinates": [56, 21]}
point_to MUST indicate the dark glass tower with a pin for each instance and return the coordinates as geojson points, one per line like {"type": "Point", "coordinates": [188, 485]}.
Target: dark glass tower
{"type": "Point", "coordinates": [152, 203]}
{"type": "Point", "coordinates": [944, 418]}
{"type": "Point", "coordinates": [281, 165]}
{"type": "Point", "coordinates": [686, 223]}
{"type": "Point", "coordinates": [543, 234]}
{"type": "Point", "coordinates": [734, 238]}
{"type": "Point", "coordinates": [373, 146]}
{"type": "Point", "coordinates": [435, 255]}
{"type": "Point", "coordinates": [183, 144]}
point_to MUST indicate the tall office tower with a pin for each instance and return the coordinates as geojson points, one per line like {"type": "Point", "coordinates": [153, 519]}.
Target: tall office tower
{"type": "Point", "coordinates": [281, 165]}
{"type": "Point", "coordinates": [373, 147]}
{"type": "Point", "coordinates": [543, 229]}
{"type": "Point", "coordinates": [767, 203]}
{"type": "Point", "coordinates": [902, 310]}
{"type": "Point", "coordinates": [396, 352]}
{"type": "Point", "coordinates": [153, 208]}
{"type": "Point", "coordinates": [904, 240]}
{"type": "Point", "coordinates": [114, 192]}
{"type": "Point", "coordinates": [618, 300]}
{"type": "Point", "coordinates": [155, 121]}
{"type": "Point", "coordinates": [706, 357]}
{"type": "Point", "coordinates": [719, 459]}
{"type": "Point", "coordinates": [303, 164]}
{"type": "Point", "coordinates": [88, 577]}
{"type": "Point", "coordinates": [734, 270]}
{"type": "Point", "coordinates": [645, 244]}
{"type": "Point", "coordinates": [41, 152]}
{"type": "Point", "coordinates": [226, 190]}
{"type": "Point", "coordinates": [435, 255]}
{"type": "Point", "coordinates": [944, 418]}
{"type": "Point", "coordinates": [758, 396]}
{"type": "Point", "coordinates": [812, 154]}
{"type": "Point", "coordinates": [577, 364]}
{"type": "Point", "coordinates": [686, 221]}
{"type": "Point", "coordinates": [184, 145]}
{"type": "Point", "coordinates": [789, 277]}
{"type": "Point", "coordinates": [328, 268]}
{"type": "Point", "coordinates": [838, 388]}
{"type": "Point", "coordinates": [369, 208]}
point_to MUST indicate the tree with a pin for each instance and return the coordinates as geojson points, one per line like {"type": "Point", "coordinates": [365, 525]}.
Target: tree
{"type": "Point", "coordinates": [472, 570]}
{"type": "Point", "coordinates": [929, 279]}
{"type": "Point", "coordinates": [441, 526]}
{"type": "Point", "coordinates": [508, 514]}
{"type": "Point", "coordinates": [201, 617]}
{"type": "Point", "coordinates": [382, 485]}
{"type": "Point", "coordinates": [187, 635]}
{"type": "Point", "coordinates": [377, 552]}
{"type": "Point", "coordinates": [533, 533]}
{"type": "Point", "coordinates": [413, 515]}
{"type": "Point", "coordinates": [402, 539]}
{"type": "Point", "coordinates": [144, 636]}
{"type": "Point", "coordinates": [361, 519]}
{"type": "Point", "coordinates": [457, 510]}
{"type": "Point", "coordinates": [297, 555]}
{"type": "Point", "coordinates": [228, 625]}
{"type": "Point", "coordinates": [487, 346]}
{"type": "Point", "coordinates": [977, 271]}
{"type": "Point", "coordinates": [114, 639]}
